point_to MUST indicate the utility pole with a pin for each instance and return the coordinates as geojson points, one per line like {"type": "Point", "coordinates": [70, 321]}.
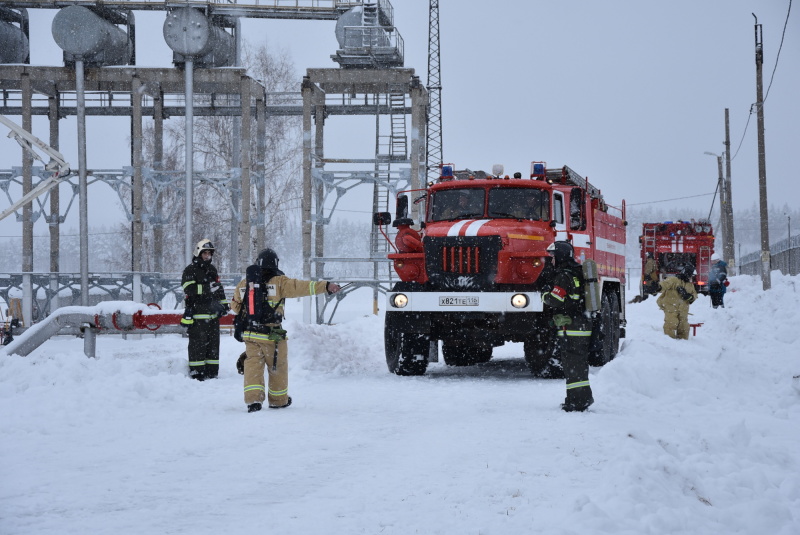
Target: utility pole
{"type": "Point", "coordinates": [766, 281]}
{"type": "Point", "coordinates": [727, 248]}
{"type": "Point", "coordinates": [723, 219]}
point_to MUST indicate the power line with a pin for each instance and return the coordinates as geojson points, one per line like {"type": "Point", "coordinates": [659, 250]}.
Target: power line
{"type": "Point", "coordinates": [777, 57]}
{"type": "Point", "coordinates": [668, 200]}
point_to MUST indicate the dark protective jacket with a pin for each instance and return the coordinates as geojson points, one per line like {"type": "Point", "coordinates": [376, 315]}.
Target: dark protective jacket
{"type": "Point", "coordinates": [567, 297]}
{"type": "Point", "coordinates": [205, 297]}
{"type": "Point", "coordinates": [717, 276]}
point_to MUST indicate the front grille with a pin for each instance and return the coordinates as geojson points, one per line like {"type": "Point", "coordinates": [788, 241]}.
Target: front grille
{"type": "Point", "coordinates": [460, 259]}
{"type": "Point", "coordinates": [460, 262]}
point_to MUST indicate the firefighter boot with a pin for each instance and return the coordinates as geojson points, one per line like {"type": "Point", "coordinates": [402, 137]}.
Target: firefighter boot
{"type": "Point", "coordinates": [254, 407]}
{"type": "Point", "coordinates": [289, 402]}
{"type": "Point", "coordinates": [578, 399]}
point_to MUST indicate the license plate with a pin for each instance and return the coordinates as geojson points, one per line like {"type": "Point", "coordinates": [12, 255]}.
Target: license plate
{"type": "Point", "coordinates": [468, 301]}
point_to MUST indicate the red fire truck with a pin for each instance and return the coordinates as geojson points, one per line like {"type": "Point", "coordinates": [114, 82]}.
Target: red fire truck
{"type": "Point", "coordinates": [470, 276]}
{"type": "Point", "coordinates": [675, 243]}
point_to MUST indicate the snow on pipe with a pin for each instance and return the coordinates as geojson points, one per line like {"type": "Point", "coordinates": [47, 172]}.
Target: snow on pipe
{"type": "Point", "coordinates": [108, 317]}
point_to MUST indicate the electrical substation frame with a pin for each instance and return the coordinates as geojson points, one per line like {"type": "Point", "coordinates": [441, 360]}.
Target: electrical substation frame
{"type": "Point", "coordinates": [390, 89]}
{"type": "Point", "coordinates": [159, 93]}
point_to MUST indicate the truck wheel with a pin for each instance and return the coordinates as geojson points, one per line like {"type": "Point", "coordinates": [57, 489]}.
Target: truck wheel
{"type": "Point", "coordinates": [406, 353]}
{"type": "Point", "coordinates": [605, 342]}
{"type": "Point", "coordinates": [463, 355]}
{"type": "Point", "coordinates": [541, 357]}
{"type": "Point", "coordinates": [615, 327]}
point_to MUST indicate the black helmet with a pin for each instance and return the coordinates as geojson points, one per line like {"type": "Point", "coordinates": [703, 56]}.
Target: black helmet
{"type": "Point", "coordinates": [685, 272]}
{"type": "Point", "coordinates": [561, 251]}
{"type": "Point", "coordinates": [267, 259]}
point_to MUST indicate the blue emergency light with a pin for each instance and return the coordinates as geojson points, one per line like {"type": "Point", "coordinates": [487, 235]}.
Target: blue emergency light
{"type": "Point", "coordinates": [538, 169]}
{"type": "Point", "coordinates": [447, 171]}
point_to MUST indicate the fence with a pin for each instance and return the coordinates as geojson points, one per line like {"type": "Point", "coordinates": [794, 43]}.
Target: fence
{"type": "Point", "coordinates": [784, 256]}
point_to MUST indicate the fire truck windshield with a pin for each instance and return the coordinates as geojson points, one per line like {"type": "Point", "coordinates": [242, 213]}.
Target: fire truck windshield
{"type": "Point", "coordinates": [451, 204]}
{"type": "Point", "coordinates": [519, 203]}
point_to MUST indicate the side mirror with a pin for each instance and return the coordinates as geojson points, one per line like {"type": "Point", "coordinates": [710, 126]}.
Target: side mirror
{"type": "Point", "coordinates": [402, 212]}
{"type": "Point", "coordinates": [402, 207]}
{"type": "Point", "coordinates": [381, 218]}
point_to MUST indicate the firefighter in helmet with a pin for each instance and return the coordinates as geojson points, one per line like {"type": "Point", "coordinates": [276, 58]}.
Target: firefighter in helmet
{"type": "Point", "coordinates": [650, 277]}
{"type": "Point", "coordinates": [258, 301]}
{"type": "Point", "coordinates": [717, 281]}
{"type": "Point", "coordinates": [677, 293]}
{"type": "Point", "coordinates": [566, 298]}
{"type": "Point", "coordinates": [205, 303]}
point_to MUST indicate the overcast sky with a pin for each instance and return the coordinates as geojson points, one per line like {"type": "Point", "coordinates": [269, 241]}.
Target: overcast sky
{"type": "Point", "coordinates": [629, 93]}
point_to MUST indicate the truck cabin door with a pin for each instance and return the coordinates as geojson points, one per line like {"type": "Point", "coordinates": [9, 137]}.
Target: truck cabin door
{"type": "Point", "coordinates": [558, 216]}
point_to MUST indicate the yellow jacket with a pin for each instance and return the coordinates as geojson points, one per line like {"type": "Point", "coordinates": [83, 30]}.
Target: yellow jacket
{"type": "Point", "coordinates": [671, 299]}
{"type": "Point", "coordinates": [278, 288]}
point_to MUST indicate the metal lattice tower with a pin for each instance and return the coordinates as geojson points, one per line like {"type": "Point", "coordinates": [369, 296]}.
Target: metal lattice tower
{"type": "Point", "coordinates": [434, 144]}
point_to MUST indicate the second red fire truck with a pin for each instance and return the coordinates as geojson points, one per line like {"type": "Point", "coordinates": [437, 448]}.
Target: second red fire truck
{"type": "Point", "coordinates": [672, 244]}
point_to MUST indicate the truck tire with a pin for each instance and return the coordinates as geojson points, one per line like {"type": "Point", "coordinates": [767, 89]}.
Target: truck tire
{"type": "Point", "coordinates": [606, 344]}
{"type": "Point", "coordinates": [541, 357]}
{"type": "Point", "coordinates": [615, 327]}
{"type": "Point", "coordinates": [465, 355]}
{"type": "Point", "coordinates": [406, 353]}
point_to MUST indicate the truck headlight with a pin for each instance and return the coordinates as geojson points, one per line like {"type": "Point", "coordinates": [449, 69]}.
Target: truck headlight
{"type": "Point", "coordinates": [519, 300]}
{"type": "Point", "coordinates": [399, 300]}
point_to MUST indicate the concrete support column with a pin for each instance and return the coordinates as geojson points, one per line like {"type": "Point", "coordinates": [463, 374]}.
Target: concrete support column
{"type": "Point", "coordinates": [158, 165]}
{"type": "Point", "coordinates": [138, 186]}
{"type": "Point", "coordinates": [54, 220]}
{"type": "Point", "coordinates": [419, 103]}
{"type": "Point", "coordinates": [307, 91]}
{"type": "Point", "coordinates": [246, 242]}
{"type": "Point", "coordinates": [189, 161]}
{"type": "Point", "coordinates": [319, 197]}
{"type": "Point", "coordinates": [27, 209]}
{"type": "Point", "coordinates": [83, 188]}
{"type": "Point", "coordinates": [261, 154]}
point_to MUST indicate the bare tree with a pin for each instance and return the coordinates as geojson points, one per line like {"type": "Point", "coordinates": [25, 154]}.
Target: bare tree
{"type": "Point", "coordinates": [214, 151]}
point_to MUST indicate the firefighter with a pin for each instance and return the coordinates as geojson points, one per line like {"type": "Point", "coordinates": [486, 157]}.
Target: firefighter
{"type": "Point", "coordinates": [258, 299]}
{"type": "Point", "coordinates": [205, 303]}
{"type": "Point", "coordinates": [717, 281]}
{"type": "Point", "coordinates": [650, 277]}
{"type": "Point", "coordinates": [465, 207]}
{"type": "Point", "coordinates": [677, 293]}
{"type": "Point", "coordinates": [574, 325]}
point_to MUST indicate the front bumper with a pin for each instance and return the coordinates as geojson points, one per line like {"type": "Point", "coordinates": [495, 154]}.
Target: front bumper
{"type": "Point", "coordinates": [486, 302]}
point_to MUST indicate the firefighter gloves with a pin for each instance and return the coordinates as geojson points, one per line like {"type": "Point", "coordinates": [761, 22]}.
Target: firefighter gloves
{"type": "Point", "coordinates": [561, 320]}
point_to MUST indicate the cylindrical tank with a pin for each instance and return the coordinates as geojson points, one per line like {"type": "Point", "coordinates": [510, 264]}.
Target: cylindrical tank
{"type": "Point", "coordinates": [223, 49]}
{"type": "Point", "coordinates": [13, 43]}
{"type": "Point", "coordinates": [83, 34]}
{"type": "Point", "coordinates": [189, 33]}
{"type": "Point", "coordinates": [351, 17]}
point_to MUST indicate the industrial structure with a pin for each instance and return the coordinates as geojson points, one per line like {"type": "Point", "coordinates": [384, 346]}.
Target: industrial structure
{"type": "Point", "coordinates": [99, 77]}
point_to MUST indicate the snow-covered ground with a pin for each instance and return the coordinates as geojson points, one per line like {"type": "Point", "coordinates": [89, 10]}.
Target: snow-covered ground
{"type": "Point", "coordinates": [699, 436]}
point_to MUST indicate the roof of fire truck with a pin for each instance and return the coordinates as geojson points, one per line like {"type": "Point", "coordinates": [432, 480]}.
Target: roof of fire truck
{"type": "Point", "coordinates": [539, 171]}
{"type": "Point", "coordinates": [701, 227]}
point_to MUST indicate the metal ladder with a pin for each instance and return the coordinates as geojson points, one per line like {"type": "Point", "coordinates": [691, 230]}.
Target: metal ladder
{"type": "Point", "coordinates": [649, 244]}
